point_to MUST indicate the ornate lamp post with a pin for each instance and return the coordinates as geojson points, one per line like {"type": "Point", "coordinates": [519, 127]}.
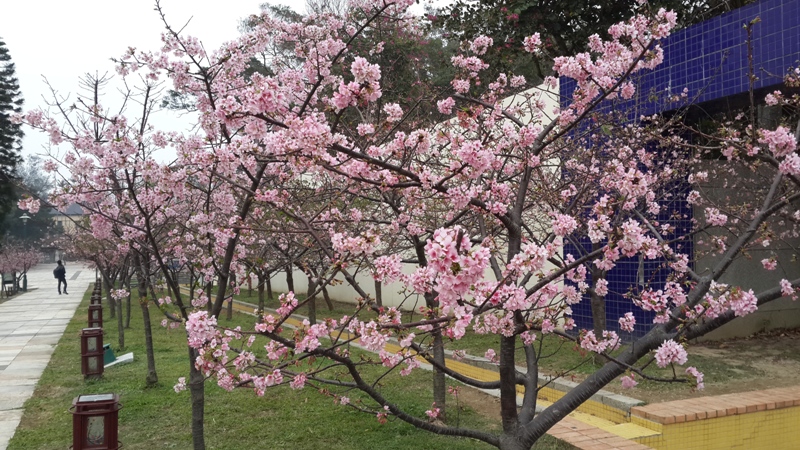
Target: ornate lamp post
{"type": "Point", "coordinates": [95, 421]}
{"type": "Point", "coordinates": [96, 315]}
{"type": "Point", "coordinates": [25, 218]}
{"type": "Point", "coordinates": [92, 352]}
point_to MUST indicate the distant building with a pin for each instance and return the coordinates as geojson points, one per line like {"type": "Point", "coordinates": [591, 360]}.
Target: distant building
{"type": "Point", "coordinates": [66, 219]}
{"type": "Point", "coordinates": [64, 222]}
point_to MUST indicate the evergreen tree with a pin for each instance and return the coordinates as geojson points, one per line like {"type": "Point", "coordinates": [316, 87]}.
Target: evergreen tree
{"type": "Point", "coordinates": [10, 132]}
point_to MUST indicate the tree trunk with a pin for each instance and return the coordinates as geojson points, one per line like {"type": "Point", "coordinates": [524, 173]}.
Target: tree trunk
{"type": "Point", "coordinates": [260, 296]}
{"type": "Point", "coordinates": [198, 399]}
{"type": "Point", "coordinates": [508, 386]}
{"type": "Point", "coordinates": [210, 304]}
{"type": "Point", "coordinates": [312, 300]}
{"type": "Point", "coordinates": [152, 376]}
{"type": "Point", "coordinates": [128, 305]}
{"type": "Point", "coordinates": [269, 287]}
{"type": "Point", "coordinates": [120, 327]}
{"type": "Point", "coordinates": [327, 298]}
{"type": "Point", "coordinates": [598, 303]}
{"type": "Point", "coordinates": [290, 277]}
{"type": "Point", "coordinates": [249, 285]}
{"type": "Point", "coordinates": [439, 380]}
{"type": "Point", "coordinates": [378, 293]}
{"type": "Point", "coordinates": [141, 276]}
{"type": "Point", "coordinates": [108, 285]}
{"type": "Point", "coordinates": [231, 283]}
{"type": "Point", "coordinates": [598, 314]}
{"type": "Point", "coordinates": [191, 287]}
{"type": "Point", "coordinates": [509, 442]}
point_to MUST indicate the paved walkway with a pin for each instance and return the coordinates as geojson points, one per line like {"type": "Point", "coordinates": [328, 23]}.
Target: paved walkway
{"type": "Point", "coordinates": [31, 325]}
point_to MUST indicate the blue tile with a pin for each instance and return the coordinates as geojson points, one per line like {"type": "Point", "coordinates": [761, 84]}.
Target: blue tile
{"type": "Point", "coordinates": [710, 56]}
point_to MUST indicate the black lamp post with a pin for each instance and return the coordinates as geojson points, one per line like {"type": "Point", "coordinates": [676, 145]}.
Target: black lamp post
{"type": "Point", "coordinates": [25, 218]}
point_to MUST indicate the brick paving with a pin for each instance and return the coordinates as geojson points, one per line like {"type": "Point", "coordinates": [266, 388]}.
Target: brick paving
{"type": "Point", "coordinates": [681, 411]}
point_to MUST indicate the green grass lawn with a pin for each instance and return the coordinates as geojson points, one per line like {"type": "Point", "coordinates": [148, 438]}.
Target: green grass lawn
{"type": "Point", "coordinates": [156, 418]}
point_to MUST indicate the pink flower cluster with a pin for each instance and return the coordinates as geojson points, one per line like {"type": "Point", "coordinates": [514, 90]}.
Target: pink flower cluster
{"type": "Point", "coordinates": [456, 265]}
{"type": "Point", "coordinates": [201, 328]}
{"type": "Point", "coordinates": [29, 204]}
{"type": "Point", "coordinates": [714, 217]}
{"type": "Point", "coordinates": [446, 106]}
{"type": "Point", "coordinates": [781, 141]}
{"type": "Point", "coordinates": [769, 263]}
{"type": "Point", "coordinates": [563, 224]}
{"type": "Point", "coordinates": [788, 290]}
{"type": "Point", "coordinates": [387, 268]}
{"type": "Point", "coordinates": [698, 377]}
{"type": "Point", "coordinates": [288, 304]}
{"type": "Point", "coordinates": [790, 165]}
{"type": "Point", "coordinates": [610, 341]}
{"type": "Point", "coordinates": [532, 43]}
{"type": "Point", "coordinates": [742, 302]}
{"type": "Point", "coordinates": [627, 322]}
{"type": "Point", "coordinates": [670, 352]}
{"type": "Point", "coordinates": [629, 381]}
{"type": "Point", "coordinates": [480, 44]}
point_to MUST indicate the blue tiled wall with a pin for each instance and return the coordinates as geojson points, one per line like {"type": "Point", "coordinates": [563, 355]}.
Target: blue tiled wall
{"type": "Point", "coordinates": [624, 278]}
{"type": "Point", "coordinates": [710, 59]}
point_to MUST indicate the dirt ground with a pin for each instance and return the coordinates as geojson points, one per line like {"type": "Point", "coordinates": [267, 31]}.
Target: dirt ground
{"type": "Point", "coordinates": [763, 361]}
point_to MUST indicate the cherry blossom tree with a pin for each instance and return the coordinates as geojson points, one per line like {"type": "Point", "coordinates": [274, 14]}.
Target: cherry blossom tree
{"type": "Point", "coordinates": [471, 215]}
{"type": "Point", "coordinates": [18, 260]}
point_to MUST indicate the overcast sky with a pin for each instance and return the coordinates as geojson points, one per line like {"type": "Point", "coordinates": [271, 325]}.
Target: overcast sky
{"type": "Point", "coordinates": [64, 39]}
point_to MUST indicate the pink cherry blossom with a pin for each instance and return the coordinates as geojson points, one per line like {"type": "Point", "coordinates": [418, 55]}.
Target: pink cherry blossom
{"type": "Point", "coordinates": [628, 381]}
{"type": "Point", "coordinates": [769, 263]}
{"type": "Point", "coordinates": [788, 290]}
{"type": "Point", "coordinates": [29, 204]}
{"type": "Point", "coordinates": [446, 106]}
{"type": "Point", "coordinates": [433, 413]}
{"type": "Point", "coordinates": [627, 322]}
{"type": "Point", "coordinates": [563, 224]}
{"type": "Point", "coordinates": [698, 377]}
{"type": "Point", "coordinates": [480, 44]}
{"type": "Point", "coordinates": [781, 141]}
{"type": "Point", "coordinates": [181, 385]}
{"type": "Point", "coordinates": [714, 217]}
{"type": "Point", "coordinates": [670, 352]}
{"type": "Point", "coordinates": [533, 43]}
{"type": "Point", "coordinates": [305, 169]}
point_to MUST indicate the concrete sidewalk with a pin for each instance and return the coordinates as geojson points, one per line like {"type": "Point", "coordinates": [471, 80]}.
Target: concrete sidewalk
{"type": "Point", "coordinates": [31, 325]}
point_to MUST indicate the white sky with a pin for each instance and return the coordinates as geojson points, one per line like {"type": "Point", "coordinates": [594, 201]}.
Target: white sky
{"type": "Point", "coordinates": [64, 39]}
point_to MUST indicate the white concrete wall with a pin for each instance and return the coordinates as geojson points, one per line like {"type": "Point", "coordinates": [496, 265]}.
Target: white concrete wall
{"type": "Point", "coordinates": [747, 271]}
{"type": "Point", "coordinates": [392, 294]}
{"type": "Point", "coordinates": [342, 291]}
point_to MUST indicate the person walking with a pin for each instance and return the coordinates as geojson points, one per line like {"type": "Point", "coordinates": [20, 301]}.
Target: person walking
{"type": "Point", "coordinates": [60, 272]}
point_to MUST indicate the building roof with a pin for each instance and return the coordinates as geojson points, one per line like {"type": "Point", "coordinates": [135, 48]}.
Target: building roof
{"type": "Point", "coordinates": [72, 210]}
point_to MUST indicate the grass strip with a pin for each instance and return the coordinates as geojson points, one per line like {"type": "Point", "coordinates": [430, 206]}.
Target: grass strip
{"type": "Point", "coordinates": [157, 417]}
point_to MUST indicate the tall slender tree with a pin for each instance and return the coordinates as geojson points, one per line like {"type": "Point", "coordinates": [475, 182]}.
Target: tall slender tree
{"type": "Point", "coordinates": [10, 132]}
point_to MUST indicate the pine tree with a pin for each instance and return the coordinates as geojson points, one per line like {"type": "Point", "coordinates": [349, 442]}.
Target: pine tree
{"type": "Point", "coordinates": [10, 132]}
